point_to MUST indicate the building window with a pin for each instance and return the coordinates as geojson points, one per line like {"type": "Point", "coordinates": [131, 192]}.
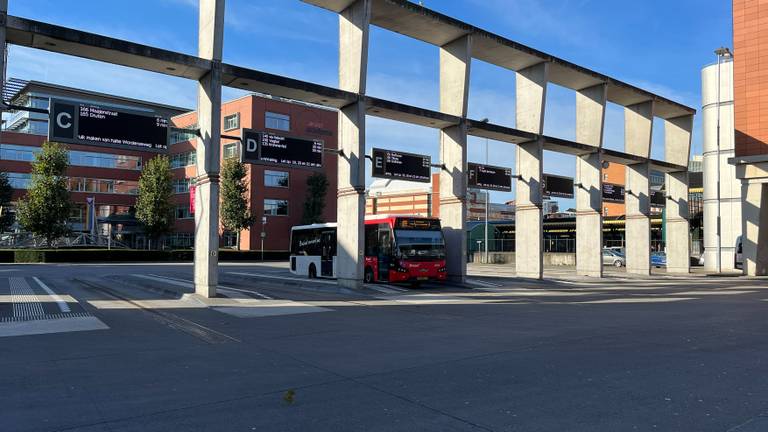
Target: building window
{"type": "Point", "coordinates": [19, 180]}
{"type": "Point", "coordinates": [120, 187]}
{"type": "Point", "coordinates": [231, 151]}
{"type": "Point", "coordinates": [181, 160]}
{"type": "Point", "coordinates": [177, 136]}
{"type": "Point", "coordinates": [181, 186]}
{"type": "Point", "coordinates": [181, 240]}
{"type": "Point", "coordinates": [76, 157]}
{"type": "Point", "coordinates": [232, 121]}
{"type": "Point", "coordinates": [605, 177]}
{"type": "Point", "coordinates": [182, 212]}
{"type": "Point", "coordinates": [275, 178]}
{"type": "Point", "coordinates": [274, 207]}
{"type": "Point", "coordinates": [277, 121]}
{"type": "Point", "coordinates": [605, 211]}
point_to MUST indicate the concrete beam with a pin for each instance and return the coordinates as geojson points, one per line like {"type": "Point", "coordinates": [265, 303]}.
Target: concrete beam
{"type": "Point", "coordinates": [350, 214]}
{"type": "Point", "coordinates": [63, 40]}
{"type": "Point", "coordinates": [210, 44]}
{"type": "Point", "coordinates": [530, 97]}
{"type": "Point", "coordinates": [590, 122]}
{"type": "Point", "coordinates": [455, 62]}
{"type": "Point", "coordinates": [421, 23]}
{"type": "Point", "coordinates": [638, 130]}
{"type": "Point", "coordinates": [677, 140]}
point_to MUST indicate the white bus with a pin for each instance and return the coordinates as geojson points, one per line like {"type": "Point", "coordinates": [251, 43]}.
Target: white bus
{"type": "Point", "coordinates": [313, 250]}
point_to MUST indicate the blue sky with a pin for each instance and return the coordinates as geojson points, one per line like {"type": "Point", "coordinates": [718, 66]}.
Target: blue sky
{"type": "Point", "coordinates": [658, 45]}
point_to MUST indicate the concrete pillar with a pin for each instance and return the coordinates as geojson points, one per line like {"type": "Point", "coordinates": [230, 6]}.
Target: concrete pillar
{"type": "Point", "coordinates": [755, 215]}
{"type": "Point", "coordinates": [717, 86]}
{"type": "Point", "coordinates": [638, 128]}
{"type": "Point", "coordinates": [530, 96]}
{"type": "Point", "coordinates": [455, 61]}
{"type": "Point", "coordinates": [350, 214]}
{"type": "Point", "coordinates": [210, 43]}
{"type": "Point", "coordinates": [677, 139]}
{"type": "Point", "coordinates": [590, 121]}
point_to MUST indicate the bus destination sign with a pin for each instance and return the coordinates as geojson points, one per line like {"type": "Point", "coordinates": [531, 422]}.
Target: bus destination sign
{"type": "Point", "coordinates": [89, 124]}
{"type": "Point", "coordinates": [272, 149]}
{"type": "Point", "coordinates": [489, 177]}
{"type": "Point", "coordinates": [401, 165]}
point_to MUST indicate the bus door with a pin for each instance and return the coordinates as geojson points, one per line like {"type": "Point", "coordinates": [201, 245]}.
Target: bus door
{"type": "Point", "coordinates": [328, 240]}
{"type": "Point", "coordinates": [385, 251]}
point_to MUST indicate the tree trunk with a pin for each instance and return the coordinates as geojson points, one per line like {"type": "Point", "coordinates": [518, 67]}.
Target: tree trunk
{"type": "Point", "coordinates": [238, 240]}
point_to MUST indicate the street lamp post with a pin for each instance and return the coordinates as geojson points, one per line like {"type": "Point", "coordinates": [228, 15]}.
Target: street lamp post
{"type": "Point", "coordinates": [720, 53]}
{"type": "Point", "coordinates": [487, 201]}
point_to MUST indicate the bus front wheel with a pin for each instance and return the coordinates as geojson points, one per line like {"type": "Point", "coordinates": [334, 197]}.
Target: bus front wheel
{"type": "Point", "coordinates": [368, 277]}
{"type": "Point", "coordinates": [312, 271]}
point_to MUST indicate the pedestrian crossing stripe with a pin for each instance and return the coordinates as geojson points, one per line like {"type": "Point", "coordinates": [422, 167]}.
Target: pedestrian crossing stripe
{"type": "Point", "coordinates": [44, 317]}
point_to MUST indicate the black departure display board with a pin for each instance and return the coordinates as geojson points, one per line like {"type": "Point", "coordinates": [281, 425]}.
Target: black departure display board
{"type": "Point", "coordinates": [613, 193]}
{"type": "Point", "coordinates": [557, 186]}
{"type": "Point", "coordinates": [89, 124]}
{"type": "Point", "coordinates": [401, 165]}
{"type": "Point", "coordinates": [272, 149]}
{"type": "Point", "coordinates": [658, 199]}
{"type": "Point", "coordinates": [489, 177]}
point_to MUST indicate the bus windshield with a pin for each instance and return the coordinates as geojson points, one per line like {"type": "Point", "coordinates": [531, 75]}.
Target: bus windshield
{"type": "Point", "coordinates": [420, 244]}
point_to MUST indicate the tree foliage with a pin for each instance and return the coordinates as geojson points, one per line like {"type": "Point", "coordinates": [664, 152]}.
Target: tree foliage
{"type": "Point", "coordinates": [317, 186]}
{"type": "Point", "coordinates": [47, 206]}
{"type": "Point", "coordinates": [6, 194]}
{"type": "Point", "coordinates": [235, 212]}
{"type": "Point", "coordinates": [153, 205]}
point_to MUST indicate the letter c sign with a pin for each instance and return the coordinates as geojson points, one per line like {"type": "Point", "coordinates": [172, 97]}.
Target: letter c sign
{"type": "Point", "coordinates": [64, 120]}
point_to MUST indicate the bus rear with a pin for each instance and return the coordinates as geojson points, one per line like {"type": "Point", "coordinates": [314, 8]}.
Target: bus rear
{"type": "Point", "coordinates": [404, 249]}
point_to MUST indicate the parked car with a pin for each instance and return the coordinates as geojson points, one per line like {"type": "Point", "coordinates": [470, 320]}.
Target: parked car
{"type": "Point", "coordinates": [659, 259]}
{"type": "Point", "coordinates": [613, 258]}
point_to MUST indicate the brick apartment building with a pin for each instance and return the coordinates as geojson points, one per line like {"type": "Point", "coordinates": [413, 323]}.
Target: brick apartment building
{"type": "Point", "coordinates": [110, 175]}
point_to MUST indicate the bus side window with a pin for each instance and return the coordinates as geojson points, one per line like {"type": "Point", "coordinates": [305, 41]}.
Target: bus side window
{"type": "Point", "coordinates": [371, 240]}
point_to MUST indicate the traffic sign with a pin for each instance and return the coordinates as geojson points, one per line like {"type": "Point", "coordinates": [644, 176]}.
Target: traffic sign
{"type": "Point", "coordinates": [489, 177]}
{"type": "Point", "coordinates": [267, 148]}
{"type": "Point", "coordinates": [401, 165]}
{"type": "Point", "coordinates": [90, 124]}
{"type": "Point", "coordinates": [557, 186]}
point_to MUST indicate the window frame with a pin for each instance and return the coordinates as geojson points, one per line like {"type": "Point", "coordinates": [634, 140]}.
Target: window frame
{"type": "Point", "coordinates": [287, 207]}
{"type": "Point", "coordinates": [287, 176]}
{"type": "Point", "coordinates": [236, 116]}
{"type": "Point", "coordinates": [278, 117]}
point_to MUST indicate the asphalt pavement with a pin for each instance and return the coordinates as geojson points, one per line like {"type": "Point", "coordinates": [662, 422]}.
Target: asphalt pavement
{"type": "Point", "coordinates": [128, 347]}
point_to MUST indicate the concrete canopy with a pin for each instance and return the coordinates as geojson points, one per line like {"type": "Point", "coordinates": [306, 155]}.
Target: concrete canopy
{"type": "Point", "coordinates": [419, 22]}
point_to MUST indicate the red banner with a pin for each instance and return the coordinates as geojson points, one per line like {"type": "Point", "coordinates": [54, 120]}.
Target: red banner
{"type": "Point", "coordinates": [192, 199]}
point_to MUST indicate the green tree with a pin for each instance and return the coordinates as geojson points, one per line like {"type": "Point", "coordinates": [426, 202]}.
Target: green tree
{"type": "Point", "coordinates": [235, 212]}
{"type": "Point", "coordinates": [153, 205]}
{"type": "Point", "coordinates": [6, 193]}
{"type": "Point", "coordinates": [317, 186]}
{"type": "Point", "coordinates": [46, 208]}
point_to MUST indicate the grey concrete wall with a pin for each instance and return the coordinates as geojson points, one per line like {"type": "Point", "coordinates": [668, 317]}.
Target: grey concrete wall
{"type": "Point", "coordinates": [677, 139]}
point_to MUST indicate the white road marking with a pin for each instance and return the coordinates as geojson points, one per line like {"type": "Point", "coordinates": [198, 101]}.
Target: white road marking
{"type": "Point", "coordinates": [63, 306]}
{"type": "Point", "coordinates": [189, 284]}
{"type": "Point", "coordinates": [483, 283]}
{"type": "Point", "coordinates": [262, 275]}
{"type": "Point", "coordinates": [25, 301]}
{"type": "Point", "coordinates": [383, 289]}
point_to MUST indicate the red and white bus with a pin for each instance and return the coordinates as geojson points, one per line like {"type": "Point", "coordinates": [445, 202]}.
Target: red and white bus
{"type": "Point", "coordinates": [397, 249]}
